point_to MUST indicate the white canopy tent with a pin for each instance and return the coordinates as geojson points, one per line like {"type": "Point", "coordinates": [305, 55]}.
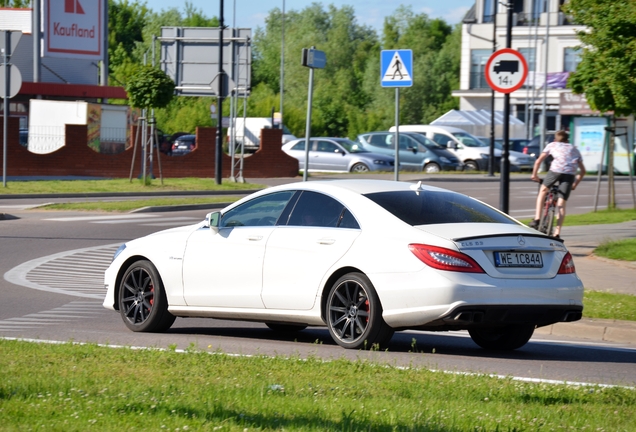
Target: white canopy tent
{"type": "Point", "coordinates": [478, 123]}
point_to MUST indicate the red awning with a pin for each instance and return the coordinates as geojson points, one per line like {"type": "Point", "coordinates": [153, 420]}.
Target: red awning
{"type": "Point", "coordinates": [72, 90]}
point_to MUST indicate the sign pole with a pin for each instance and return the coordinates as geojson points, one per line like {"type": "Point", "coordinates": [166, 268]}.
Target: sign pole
{"type": "Point", "coordinates": [505, 162]}
{"type": "Point", "coordinates": [5, 117]}
{"type": "Point", "coordinates": [396, 70]}
{"type": "Point", "coordinates": [396, 168]}
{"type": "Point", "coordinates": [313, 59]}
{"type": "Point", "coordinates": [308, 123]}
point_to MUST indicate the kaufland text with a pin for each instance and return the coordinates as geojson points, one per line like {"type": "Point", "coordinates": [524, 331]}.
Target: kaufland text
{"type": "Point", "coordinates": [73, 31]}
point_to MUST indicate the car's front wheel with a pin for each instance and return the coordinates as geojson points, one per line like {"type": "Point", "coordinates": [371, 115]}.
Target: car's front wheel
{"type": "Point", "coordinates": [354, 314]}
{"type": "Point", "coordinates": [502, 338]}
{"type": "Point", "coordinates": [359, 168]}
{"type": "Point", "coordinates": [142, 299]}
{"type": "Point", "coordinates": [471, 165]}
{"type": "Point", "coordinates": [431, 167]}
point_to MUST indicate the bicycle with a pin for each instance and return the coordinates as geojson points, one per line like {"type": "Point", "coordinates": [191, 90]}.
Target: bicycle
{"type": "Point", "coordinates": [548, 212]}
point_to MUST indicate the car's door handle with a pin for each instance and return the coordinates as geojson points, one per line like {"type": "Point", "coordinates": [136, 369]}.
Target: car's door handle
{"type": "Point", "coordinates": [326, 241]}
{"type": "Point", "coordinates": [255, 238]}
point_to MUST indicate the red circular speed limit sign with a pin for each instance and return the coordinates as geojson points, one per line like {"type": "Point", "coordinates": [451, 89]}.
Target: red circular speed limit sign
{"type": "Point", "coordinates": [506, 70]}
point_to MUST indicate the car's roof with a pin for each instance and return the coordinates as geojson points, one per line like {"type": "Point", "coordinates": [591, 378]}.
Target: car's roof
{"type": "Point", "coordinates": [359, 186]}
{"type": "Point", "coordinates": [409, 128]}
{"type": "Point", "coordinates": [391, 133]}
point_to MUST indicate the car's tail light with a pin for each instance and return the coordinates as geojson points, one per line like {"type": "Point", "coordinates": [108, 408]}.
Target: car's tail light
{"type": "Point", "coordinates": [567, 265]}
{"type": "Point", "coordinates": [445, 259]}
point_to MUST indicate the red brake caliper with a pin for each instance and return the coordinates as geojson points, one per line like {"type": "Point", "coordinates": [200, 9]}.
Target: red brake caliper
{"type": "Point", "coordinates": [152, 299]}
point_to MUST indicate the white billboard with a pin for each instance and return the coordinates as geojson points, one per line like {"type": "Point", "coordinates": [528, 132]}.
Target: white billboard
{"type": "Point", "coordinates": [74, 29]}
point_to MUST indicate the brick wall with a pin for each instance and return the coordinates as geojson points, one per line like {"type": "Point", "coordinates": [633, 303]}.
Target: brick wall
{"type": "Point", "coordinates": [77, 159]}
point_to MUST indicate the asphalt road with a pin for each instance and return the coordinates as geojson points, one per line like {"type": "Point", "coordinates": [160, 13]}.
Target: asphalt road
{"type": "Point", "coordinates": [69, 251]}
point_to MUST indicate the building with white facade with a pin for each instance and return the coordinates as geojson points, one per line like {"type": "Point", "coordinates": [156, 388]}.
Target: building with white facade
{"type": "Point", "coordinates": [548, 41]}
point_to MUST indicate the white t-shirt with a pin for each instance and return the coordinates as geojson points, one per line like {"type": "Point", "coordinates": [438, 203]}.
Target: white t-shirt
{"type": "Point", "coordinates": [566, 157]}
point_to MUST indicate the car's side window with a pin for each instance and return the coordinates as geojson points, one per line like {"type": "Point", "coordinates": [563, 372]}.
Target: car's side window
{"type": "Point", "coordinates": [316, 209]}
{"type": "Point", "coordinates": [441, 139]}
{"type": "Point", "coordinates": [299, 146]}
{"type": "Point", "coordinates": [379, 140]}
{"type": "Point", "coordinates": [261, 211]}
{"type": "Point", "coordinates": [326, 147]}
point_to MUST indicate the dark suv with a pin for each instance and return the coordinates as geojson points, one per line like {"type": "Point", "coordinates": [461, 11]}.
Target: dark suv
{"type": "Point", "coordinates": [416, 151]}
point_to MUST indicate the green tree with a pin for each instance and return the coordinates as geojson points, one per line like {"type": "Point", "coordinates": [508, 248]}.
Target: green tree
{"type": "Point", "coordinates": [18, 4]}
{"type": "Point", "coordinates": [436, 55]}
{"type": "Point", "coordinates": [149, 87]}
{"type": "Point", "coordinates": [337, 88]}
{"type": "Point", "coordinates": [126, 22]}
{"type": "Point", "coordinates": [608, 61]}
{"type": "Point", "coordinates": [606, 72]}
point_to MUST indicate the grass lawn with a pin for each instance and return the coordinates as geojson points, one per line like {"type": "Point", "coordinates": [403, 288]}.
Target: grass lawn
{"type": "Point", "coordinates": [624, 250]}
{"type": "Point", "coordinates": [121, 185]}
{"type": "Point", "coordinates": [86, 387]}
{"type": "Point", "coordinates": [604, 305]}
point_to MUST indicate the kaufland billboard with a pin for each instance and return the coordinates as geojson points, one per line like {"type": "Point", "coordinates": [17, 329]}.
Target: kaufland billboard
{"type": "Point", "coordinates": [74, 28]}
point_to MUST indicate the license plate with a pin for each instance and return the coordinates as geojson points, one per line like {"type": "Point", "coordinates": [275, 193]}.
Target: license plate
{"type": "Point", "coordinates": [518, 259]}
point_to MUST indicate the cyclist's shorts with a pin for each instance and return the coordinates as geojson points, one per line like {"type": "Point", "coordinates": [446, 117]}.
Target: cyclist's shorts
{"type": "Point", "coordinates": [565, 183]}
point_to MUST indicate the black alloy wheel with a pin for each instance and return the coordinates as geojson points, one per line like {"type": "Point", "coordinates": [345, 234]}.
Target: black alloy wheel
{"type": "Point", "coordinates": [354, 314]}
{"type": "Point", "coordinates": [142, 299]}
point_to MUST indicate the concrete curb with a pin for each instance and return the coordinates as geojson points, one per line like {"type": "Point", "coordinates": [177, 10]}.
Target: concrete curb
{"type": "Point", "coordinates": [185, 207]}
{"type": "Point", "coordinates": [594, 329]}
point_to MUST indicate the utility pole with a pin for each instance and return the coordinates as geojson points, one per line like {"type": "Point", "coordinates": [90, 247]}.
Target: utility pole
{"type": "Point", "coordinates": [218, 160]}
{"type": "Point", "coordinates": [505, 163]}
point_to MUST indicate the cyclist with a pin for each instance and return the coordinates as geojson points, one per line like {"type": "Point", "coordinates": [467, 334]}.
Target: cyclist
{"type": "Point", "coordinates": [563, 169]}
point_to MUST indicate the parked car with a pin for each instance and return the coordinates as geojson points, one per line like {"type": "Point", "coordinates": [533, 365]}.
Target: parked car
{"type": "Point", "coordinates": [362, 257]}
{"type": "Point", "coordinates": [184, 144]}
{"type": "Point", "coordinates": [337, 155]}
{"type": "Point", "coordinates": [533, 148]}
{"type": "Point", "coordinates": [519, 161]}
{"type": "Point", "coordinates": [24, 137]}
{"type": "Point", "coordinates": [516, 144]}
{"type": "Point", "coordinates": [416, 151]}
{"type": "Point", "coordinates": [470, 150]}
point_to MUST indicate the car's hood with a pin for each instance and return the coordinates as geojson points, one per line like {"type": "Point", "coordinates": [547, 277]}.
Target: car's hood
{"type": "Point", "coordinates": [182, 231]}
{"type": "Point", "coordinates": [443, 152]}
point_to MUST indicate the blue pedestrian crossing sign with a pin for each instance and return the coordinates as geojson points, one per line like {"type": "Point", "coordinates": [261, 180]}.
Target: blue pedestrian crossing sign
{"type": "Point", "coordinates": [396, 68]}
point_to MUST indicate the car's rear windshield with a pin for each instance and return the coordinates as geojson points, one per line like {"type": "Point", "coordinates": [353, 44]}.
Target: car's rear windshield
{"type": "Point", "coordinates": [437, 207]}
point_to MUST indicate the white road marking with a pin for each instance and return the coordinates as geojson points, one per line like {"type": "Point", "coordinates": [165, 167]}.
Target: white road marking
{"type": "Point", "coordinates": [80, 309]}
{"type": "Point", "coordinates": [84, 279]}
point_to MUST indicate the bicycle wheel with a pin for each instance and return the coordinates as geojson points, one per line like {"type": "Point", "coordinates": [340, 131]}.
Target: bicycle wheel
{"type": "Point", "coordinates": [546, 224]}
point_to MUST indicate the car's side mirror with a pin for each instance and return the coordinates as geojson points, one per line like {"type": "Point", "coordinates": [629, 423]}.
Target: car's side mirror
{"type": "Point", "coordinates": [413, 149]}
{"type": "Point", "coordinates": [451, 144]}
{"type": "Point", "coordinates": [213, 219]}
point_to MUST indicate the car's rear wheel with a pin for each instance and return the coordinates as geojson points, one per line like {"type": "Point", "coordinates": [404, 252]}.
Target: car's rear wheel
{"type": "Point", "coordinates": [359, 168]}
{"type": "Point", "coordinates": [354, 314]}
{"type": "Point", "coordinates": [142, 299]}
{"type": "Point", "coordinates": [502, 338]}
{"type": "Point", "coordinates": [286, 328]}
{"type": "Point", "coordinates": [431, 167]}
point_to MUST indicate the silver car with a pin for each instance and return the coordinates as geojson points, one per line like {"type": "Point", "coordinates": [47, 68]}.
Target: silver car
{"type": "Point", "coordinates": [337, 155]}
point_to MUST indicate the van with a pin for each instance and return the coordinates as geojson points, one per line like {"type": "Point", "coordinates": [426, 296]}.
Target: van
{"type": "Point", "coordinates": [469, 149]}
{"type": "Point", "coordinates": [250, 135]}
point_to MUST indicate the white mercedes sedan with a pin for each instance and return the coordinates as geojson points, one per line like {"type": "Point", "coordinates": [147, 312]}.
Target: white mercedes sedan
{"type": "Point", "coordinates": [365, 258]}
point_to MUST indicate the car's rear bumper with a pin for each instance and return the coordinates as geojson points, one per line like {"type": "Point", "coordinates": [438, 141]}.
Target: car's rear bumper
{"type": "Point", "coordinates": [472, 316]}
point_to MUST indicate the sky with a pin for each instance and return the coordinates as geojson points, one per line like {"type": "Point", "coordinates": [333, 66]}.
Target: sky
{"type": "Point", "coordinates": [252, 13]}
